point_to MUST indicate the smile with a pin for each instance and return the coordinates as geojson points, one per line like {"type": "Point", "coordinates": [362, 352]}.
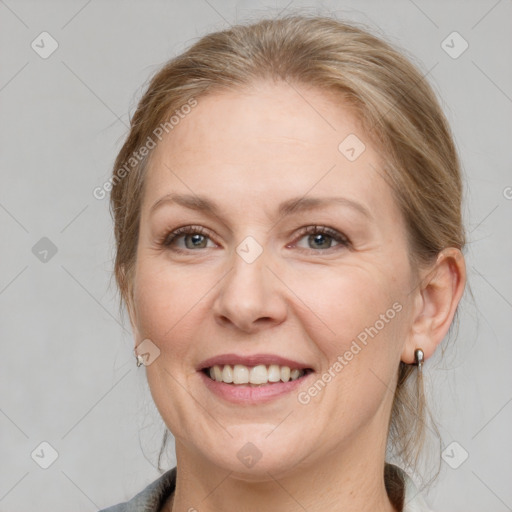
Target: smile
{"type": "Point", "coordinates": [252, 379]}
{"type": "Point", "coordinates": [259, 375]}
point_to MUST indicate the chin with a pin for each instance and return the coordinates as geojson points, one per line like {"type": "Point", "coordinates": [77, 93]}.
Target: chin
{"type": "Point", "coordinates": [264, 470]}
{"type": "Point", "coordinates": [259, 453]}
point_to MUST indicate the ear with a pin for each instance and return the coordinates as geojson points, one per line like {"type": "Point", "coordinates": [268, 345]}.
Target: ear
{"type": "Point", "coordinates": [435, 303]}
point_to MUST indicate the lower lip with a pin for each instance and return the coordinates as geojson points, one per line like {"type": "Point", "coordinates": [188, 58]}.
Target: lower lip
{"type": "Point", "coordinates": [246, 394]}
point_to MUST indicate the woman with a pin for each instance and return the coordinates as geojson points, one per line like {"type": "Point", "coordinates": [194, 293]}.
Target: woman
{"type": "Point", "coordinates": [287, 212]}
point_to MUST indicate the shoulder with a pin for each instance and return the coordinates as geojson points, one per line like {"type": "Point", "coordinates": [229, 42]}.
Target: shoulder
{"type": "Point", "coordinates": [151, 498]}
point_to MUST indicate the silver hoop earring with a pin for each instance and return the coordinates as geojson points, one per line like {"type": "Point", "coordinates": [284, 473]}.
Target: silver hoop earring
{"type": "Point", "coordinates": [419, 357]}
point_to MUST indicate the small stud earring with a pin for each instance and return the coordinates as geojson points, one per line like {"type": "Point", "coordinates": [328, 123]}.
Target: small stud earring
{"type": "Point", "coordinates": [419, 358]}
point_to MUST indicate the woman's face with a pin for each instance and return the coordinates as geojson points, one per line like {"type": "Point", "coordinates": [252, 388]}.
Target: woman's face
{"type": "Point", "coordinates": [249, 286]}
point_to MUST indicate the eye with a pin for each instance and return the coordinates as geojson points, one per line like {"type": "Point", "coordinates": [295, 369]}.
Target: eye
{"type": "Point", "coordinates": [321, 237]}
{"type": "Point", "coordinates": [195, 237]}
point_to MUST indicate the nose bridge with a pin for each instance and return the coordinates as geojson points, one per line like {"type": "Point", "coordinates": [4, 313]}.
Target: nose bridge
{"type": "Point", "coordinates": [249, 293]}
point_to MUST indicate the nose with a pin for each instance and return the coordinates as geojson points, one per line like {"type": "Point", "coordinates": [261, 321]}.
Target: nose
{"type": "Point", "coordinates": [250, 297]}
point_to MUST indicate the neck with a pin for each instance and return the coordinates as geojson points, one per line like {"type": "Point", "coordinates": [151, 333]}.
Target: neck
{"type": "Point", "coordinates": [347, 481]}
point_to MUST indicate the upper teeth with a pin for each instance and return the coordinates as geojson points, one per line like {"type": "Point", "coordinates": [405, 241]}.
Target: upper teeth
{"type": "Point", "coordinates": [260, 374]}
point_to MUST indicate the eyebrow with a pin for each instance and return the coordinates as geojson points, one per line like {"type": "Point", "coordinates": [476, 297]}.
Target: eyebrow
{"type": "Point", "coordinates": [288, 207]}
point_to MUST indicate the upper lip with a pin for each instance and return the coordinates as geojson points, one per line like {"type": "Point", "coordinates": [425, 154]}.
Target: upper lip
{"type": "Point", "coordinates": [251, 360]}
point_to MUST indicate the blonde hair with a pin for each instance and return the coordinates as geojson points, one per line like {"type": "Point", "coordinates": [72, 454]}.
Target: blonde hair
{"type": "Point", "coordinates": [399, 112]}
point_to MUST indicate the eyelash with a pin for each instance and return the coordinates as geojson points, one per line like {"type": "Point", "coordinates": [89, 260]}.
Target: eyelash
{"type": "Point", "coordinates": [170, 237]}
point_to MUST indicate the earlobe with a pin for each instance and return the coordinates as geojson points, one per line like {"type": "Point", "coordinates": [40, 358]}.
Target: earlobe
{"type": "Point", "coordinates": [436, 302]}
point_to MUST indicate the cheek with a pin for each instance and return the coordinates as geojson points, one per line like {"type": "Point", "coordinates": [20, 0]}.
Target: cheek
{"type": "Point", "coordinates": [351, 304]}
{"type": "Point", "coordinates": [170, 304]}
{"type": "Point", "coordinates": [361, 347]}
{"type": "Point", "coordinates": [166, 301]}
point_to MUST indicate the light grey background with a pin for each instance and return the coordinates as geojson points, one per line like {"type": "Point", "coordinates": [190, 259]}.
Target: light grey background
{"type": "Point", "coordinates": [68, 374]}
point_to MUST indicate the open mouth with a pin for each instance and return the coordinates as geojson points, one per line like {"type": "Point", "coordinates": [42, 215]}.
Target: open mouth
{"type": "Point", "coordinates": [254, 376]}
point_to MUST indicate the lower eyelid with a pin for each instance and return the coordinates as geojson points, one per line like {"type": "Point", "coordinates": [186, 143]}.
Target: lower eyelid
{"type": "Point", "coordinates": [337, 245]}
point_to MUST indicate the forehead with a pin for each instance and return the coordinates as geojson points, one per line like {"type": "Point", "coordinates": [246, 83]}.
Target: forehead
{"type": "Point", "coordinates": [264, 116]}
{"type": "Point", "coordinates": [266, 143]}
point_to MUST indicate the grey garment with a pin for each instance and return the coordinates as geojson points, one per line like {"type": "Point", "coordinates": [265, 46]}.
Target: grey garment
{"type": "Point", "coordinates": [151, 498]}
{"type": "Point", "coordinates": [401, 489]}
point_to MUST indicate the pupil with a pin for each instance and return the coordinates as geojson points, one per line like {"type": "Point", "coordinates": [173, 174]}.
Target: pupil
{"type": "Point", "coordinates": [318, 238]}
{"type": "Point", "coordinates": [196, 238]}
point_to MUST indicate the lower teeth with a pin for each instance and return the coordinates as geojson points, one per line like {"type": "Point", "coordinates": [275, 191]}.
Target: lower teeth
{"type": "Point", "coordinates": [252, 385]}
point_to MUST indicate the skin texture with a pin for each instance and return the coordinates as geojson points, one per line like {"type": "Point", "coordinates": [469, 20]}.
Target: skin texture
{"type": "Point", "coordinates": [303, 298]}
